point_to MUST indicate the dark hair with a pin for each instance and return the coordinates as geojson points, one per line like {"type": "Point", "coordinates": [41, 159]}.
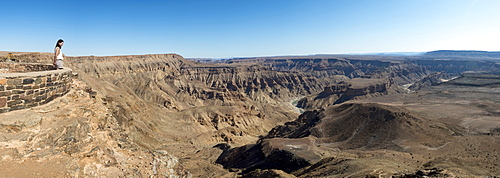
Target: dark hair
{"type": "Point", "coordinates": [57, 44]}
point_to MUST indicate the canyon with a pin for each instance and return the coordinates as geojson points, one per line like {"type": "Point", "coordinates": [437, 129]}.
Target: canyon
{"type": "Point", "coordinates": [292, 116]}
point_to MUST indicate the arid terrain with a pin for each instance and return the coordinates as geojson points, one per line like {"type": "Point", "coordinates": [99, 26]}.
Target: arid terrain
{"type": "Point", "coordinates": [305, 116]}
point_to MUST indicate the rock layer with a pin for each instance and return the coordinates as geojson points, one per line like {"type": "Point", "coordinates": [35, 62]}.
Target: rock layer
{"type": "Point", "coordinates": [349, 90]}
{"type": "Point", "coordinates": [158, 103]}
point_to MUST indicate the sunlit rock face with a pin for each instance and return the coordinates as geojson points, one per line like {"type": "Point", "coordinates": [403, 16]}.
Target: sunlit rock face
{"type": "Point", "coordinates": [179, 116]}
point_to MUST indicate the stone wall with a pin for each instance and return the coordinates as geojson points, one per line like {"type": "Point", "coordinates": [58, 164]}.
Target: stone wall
{"type": "Point", "coordinates": [25, 90]}
{"type": "Point", "coordinates": [14, 67]}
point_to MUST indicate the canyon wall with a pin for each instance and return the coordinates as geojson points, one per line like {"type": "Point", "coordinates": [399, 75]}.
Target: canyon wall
{"type": "Point", "coordinates": [456, 67]}
{"type": "Point", "coordinates": [352, 89]}
{"type": "Point", "coordinates": [214, 102]}
{"type": "Point", "coordinates": [165, 102]}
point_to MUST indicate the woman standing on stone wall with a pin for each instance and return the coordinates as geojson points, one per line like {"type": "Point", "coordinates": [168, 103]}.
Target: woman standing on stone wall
{"type": "Point", "coordinates": [58, 55]}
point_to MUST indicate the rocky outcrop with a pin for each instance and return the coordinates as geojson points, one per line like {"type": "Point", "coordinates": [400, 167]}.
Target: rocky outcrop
{"type": "Point", "coordinates": [298, 128]}
{"type": "Point", "coordinates": [263, 155]}
{"type": "Point", "coordinates": [352, 89]}
{"type": "Point", "coordinates": [372, 126]}
{"type": "Point", "coordinates": [360, 125]}
{"type": "Point", "coordinates": [76, 135]}
{"type": "Point", "coordinates": [305, 141]}
{"type": "Point", "coordinates": [431, 80]}
{"type": "Point", "coordinates": [359, 87]}
{"type": "Point", "coordinates": [268, 173]}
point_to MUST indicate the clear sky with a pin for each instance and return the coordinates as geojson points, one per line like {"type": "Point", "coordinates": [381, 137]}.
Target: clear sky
{"type": "Point", "coordinates": [242, 28]}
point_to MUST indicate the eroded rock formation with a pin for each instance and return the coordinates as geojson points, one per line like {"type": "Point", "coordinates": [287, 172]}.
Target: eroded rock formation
{"type": "Point", "coordinates": [168, 113]}
{"type": "Point", "coordinates": [356, 88]}
{"type": "Point", "coordinates": [430, 134]}
{"type": "Point", "coordinates": [77, 135]}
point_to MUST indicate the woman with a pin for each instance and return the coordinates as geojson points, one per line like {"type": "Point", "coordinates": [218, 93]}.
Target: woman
{"type": "Point", "coordinates": [58, 56]}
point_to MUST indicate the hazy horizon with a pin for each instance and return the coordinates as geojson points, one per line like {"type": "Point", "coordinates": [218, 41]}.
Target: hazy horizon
{"type": "Point", "coordinates": [227, 29]}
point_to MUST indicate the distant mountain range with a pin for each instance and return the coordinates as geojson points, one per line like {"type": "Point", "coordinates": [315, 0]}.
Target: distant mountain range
{"type": "Point", "coordinates": [440, 53]}
{"type": "Point", "coordinates": [391, 53]}
{"type": "Point", "coordinates": [455, 54]}
{"type": "Point", "coordinates": [463, 54]}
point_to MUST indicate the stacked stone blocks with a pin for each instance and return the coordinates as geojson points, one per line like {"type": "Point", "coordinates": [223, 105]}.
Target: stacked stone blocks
{"type": "Point", "coordinates": [13, 67]}
{"type": "Point", "coordinates": [26, 90]}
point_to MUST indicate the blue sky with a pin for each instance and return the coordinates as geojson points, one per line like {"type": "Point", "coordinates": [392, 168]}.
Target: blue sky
{"type": "Point", "coordinates": [242, 28]}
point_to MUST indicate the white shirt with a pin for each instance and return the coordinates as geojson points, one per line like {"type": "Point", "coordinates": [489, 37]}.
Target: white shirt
{"type": "Point", "coordinates": [60, 55]}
